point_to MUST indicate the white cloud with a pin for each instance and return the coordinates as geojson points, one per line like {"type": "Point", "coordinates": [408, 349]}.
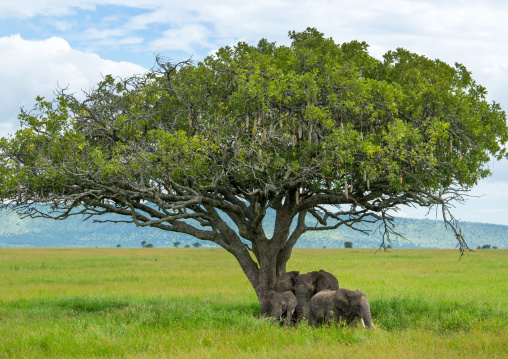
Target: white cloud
{"type": "Point", "coordinates": [32, 68]}
{"type": "Point", "coordinates": [184, 39]}
{"type": "Point", "coordinates": [31, 8]}
{"type": "Point", "coordinates": [112, 38]}
{"type": "Point", "coordinates": [62, 25]}
{"type": "Point", "coordinates": [96, 34]}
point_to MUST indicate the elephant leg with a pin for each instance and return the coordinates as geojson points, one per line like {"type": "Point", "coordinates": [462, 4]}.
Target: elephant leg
{"type": "Point", "coordinates": [288, 319]}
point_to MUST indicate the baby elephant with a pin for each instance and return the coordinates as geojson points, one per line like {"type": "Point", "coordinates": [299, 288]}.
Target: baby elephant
{"type": "Point", "coordinates": [282, 305]}
{"type": "Point", "coordinates": [341, 305]}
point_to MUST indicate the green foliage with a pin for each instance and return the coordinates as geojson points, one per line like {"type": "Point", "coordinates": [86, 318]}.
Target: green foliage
{"type": "Point", "coordinates": [409, 122]}
{"type": "Point", "coordinates": [348, 244]}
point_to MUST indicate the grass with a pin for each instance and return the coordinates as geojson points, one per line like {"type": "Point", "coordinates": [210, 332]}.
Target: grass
{"type": "Point", "coordinates": [188, 303]}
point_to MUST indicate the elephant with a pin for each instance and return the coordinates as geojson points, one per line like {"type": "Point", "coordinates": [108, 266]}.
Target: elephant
{"type": "Point", "coordinates": [282, 305]}
{"type": "Point", "coordinates": [308, 284]}
{"type": "Point", "coordinates": [340, 305]}
{"type": "Point", "coordinates": [286, 282]}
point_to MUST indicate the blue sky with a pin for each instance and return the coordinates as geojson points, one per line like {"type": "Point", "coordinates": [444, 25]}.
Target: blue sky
{"type": "Point", "coordinates": [50, 43]}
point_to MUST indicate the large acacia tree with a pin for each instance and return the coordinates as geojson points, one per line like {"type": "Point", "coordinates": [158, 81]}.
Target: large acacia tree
{"type": "Point", "coordinates": [311, 130]}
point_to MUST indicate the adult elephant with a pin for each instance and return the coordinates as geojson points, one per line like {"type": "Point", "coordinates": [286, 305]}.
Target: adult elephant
{"type": "Point", "coordinates": [286, 282]}
{"type": "Point", "coordinates": [308, 284]}
{"type": "Point", "coordinates": [341, 305]}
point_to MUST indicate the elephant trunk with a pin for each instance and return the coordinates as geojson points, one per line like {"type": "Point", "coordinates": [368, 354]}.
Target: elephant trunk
{"type": "Point", "coordinates": [288, 319]}
{"type": "Point", "coordinates": [367, 320]}
{"type": "Point", "coordinates": [301, 306]}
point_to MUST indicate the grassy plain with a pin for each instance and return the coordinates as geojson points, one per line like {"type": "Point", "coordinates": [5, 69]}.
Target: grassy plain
{"type": "Point", "coordinates": [196, 303]}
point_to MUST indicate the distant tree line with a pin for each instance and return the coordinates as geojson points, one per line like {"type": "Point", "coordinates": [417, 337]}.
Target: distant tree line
{"type": "Point", "coordinates": [486, 246]}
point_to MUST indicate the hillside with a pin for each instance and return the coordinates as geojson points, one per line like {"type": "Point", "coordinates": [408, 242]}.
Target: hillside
{"type": "Point", "coordinates": [74, 232]}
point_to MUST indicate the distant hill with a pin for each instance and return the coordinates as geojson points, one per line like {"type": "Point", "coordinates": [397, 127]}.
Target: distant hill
{"type": "Point", "coordinates": [73, 232]}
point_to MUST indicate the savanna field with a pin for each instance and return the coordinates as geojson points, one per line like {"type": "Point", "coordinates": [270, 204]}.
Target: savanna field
{"type": "Point", "coordinates": [196, 303]}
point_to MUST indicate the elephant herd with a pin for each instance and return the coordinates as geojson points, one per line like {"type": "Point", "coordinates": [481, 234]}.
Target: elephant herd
{"type": "Point", "coordinates": [316, 295]}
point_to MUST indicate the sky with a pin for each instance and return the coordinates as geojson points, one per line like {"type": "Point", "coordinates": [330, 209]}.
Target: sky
{"type": "Point", "coordinates": [45, 44]}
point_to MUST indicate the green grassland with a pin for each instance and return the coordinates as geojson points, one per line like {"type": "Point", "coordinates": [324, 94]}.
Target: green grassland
{"type": "Point", "coordinates": [196, 303]}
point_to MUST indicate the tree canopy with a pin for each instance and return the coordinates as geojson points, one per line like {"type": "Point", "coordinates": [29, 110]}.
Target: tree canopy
{"type": "Point", "coordinates": [313, 128]}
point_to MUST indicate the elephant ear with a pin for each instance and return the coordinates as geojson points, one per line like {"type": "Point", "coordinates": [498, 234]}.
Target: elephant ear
{"type": "Point", "coordinates": [292, 275]}
{"type": "Point", "coordinates": [291, 301]}
{"type": "Point", "coordinates": [341, 300]}
{"type": "Point", "coordinates": [322, 281]}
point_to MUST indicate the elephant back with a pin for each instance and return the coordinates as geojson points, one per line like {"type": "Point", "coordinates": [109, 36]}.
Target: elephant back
{"type": "Point", "coordinates": [326, 280]}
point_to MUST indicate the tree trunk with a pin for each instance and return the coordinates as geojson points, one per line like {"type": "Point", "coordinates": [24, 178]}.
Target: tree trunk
{"type": "Point", "coordinates": [264, 303]}
{"type": "Point", "coordinates": [266, 276]}
{"type": "Point", "coordinates": [271, 255]}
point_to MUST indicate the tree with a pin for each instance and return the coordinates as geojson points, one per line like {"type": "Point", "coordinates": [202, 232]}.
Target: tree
{"type": "Point", "coordinates": [118, 246]}
{"type": "Point", "coordinates": [143, 244]}
{"type": "Point", "coordinates": [486, 246]}
{"type": "Point", "coordinates": [149, 245]}
{"type": "Point", "coordinates": [348, 244]}
{"type": "Point", "coordinates": [316, 131]}
{"type": "Point", "coordinates": [176, 244]}
{"type": "Point", "coordinates": [196, 244]}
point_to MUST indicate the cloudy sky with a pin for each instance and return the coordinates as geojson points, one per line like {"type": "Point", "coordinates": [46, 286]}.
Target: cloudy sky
{"type": "Point", "coordinates": [50, 43]}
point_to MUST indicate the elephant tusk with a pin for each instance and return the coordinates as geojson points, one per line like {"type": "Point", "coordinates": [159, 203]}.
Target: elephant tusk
{"type": "Point", "coordinates": [363, 323]}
